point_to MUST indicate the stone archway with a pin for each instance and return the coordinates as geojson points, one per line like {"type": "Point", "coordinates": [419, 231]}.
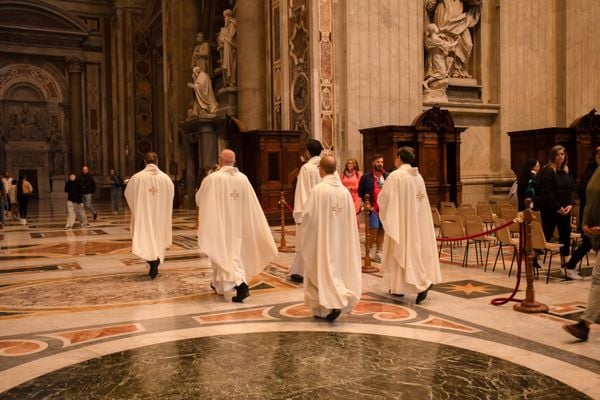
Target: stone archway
{"type": "Point", "coordinates": [32, 139]}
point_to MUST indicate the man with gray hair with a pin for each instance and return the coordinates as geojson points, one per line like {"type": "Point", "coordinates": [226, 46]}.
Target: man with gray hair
{"type": "Point", "coordinates": [410, 258]}
{"type": "Point", "coordinates": [149, 194]}
{"type": "Point", "coordinates": [331, 252]}
{"type": "Point", "coordinates": [233, 230]}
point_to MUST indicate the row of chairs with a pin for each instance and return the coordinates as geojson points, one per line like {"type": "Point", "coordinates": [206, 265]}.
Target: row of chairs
{"type": "Point", "coordinates": [464, 221]}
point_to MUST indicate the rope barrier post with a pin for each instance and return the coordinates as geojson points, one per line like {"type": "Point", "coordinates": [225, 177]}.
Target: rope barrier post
{"type": "Point", "coordinates": [529, 305]}
{"type": "Point", "coordinates": [367, 267]}
{"type": "Point", "coordinates": [283, 245]}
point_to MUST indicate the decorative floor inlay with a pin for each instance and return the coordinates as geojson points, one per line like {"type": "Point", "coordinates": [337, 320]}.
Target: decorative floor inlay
{"type": "Point", "coordinates": [469, 289]}
{"type": "Point", "coordinates": [16, 348]}
{"type": "Point", "coordinates": [105, 290]}
{"type": "Point", "coordinates": [40, 268]}
{"type": "Point", "coordinates": [295, 365]}
{"type": "Point", "coordinates": [72, 232]}
{"type": "Point", "coordinates": [72, 338]}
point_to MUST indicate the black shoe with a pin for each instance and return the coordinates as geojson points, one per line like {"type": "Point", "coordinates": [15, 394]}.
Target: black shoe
{"type": "Point", "coordinates": [579, 330]}
{"type": "Point", "coordinates": [536, 264]}
{"type": "Point", "coordinates": [423, 295]}
{"type": "Point", "coordinates": [213, 288]}
{"type": "Point", "coordinates": [95, 216]}
{"type": "Point", "coordinates": [333, 315]}
{"type": "Point", "coordinates": [297, 278]}
{"type": "Point", "coordinates": [153, 273]}
{"type": "Point", "coordinates": [242, 291]}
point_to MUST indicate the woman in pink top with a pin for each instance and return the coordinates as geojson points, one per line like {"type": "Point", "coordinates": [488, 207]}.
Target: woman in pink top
{"type": "Point", "coordinates": [350, 179]}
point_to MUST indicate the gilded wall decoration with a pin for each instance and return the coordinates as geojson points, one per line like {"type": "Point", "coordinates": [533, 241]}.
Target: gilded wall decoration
{"type": "Point", "coordinates": [93, 112]}
{"type": "Point", "coordinates": [143, 86]}
{"type": "Point", "coordinates": [326, 73]}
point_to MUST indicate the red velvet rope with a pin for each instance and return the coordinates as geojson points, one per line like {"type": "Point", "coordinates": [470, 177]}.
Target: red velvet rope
{"type": "Point", "coordinates": [446, 239]}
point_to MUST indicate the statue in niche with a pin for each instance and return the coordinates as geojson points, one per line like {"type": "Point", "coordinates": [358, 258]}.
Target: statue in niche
{"type": "Point", "coordinates": [227, 47]}
{"type": "Point", "coordinates": [205, 103]}
{"type": "Point", "coordinates": [29, 123]}
{"type": "Point", "coordinates": [437, 63]}
{"type": "Point", "coordinates": [201, 55]}
{"type": "Point", "coordinates": [454, 18]}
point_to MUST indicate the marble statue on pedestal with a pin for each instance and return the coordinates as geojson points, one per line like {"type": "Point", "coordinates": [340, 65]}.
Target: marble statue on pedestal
{"type": "Point", "coordinates": [205, 103]}
{"type": "Point", "coordinates": [201, 55]}
{"type": "Point", "coordinates": [454, 18]}
{"type": "Point", "coordinates": [228, 48]}
{"type": "Point", "coordinates": [437, 63]}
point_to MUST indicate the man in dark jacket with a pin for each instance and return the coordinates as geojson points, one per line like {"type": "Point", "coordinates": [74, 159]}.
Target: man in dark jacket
{"type": "Point", "coordinates": [371, 183]}
{"type": "Point", "coordinates": [74, 203]}
{"type": "Point", "coordinates": [88, 187]}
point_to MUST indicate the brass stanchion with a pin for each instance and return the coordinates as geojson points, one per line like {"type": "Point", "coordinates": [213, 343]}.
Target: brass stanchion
{"type": "Point", "coordinates": [282, 244]}
{"type": "Point", "coordinates": [529, 305]}
{"type": "Point", "coordinates": [367, 267]}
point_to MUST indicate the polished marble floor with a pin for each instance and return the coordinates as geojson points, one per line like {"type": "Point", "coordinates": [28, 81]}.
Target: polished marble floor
{"type": "Point", "coordinates": [80, 319]}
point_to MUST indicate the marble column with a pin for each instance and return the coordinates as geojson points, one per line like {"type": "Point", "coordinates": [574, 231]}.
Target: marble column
{"type": "Point", "coordinates": [76, 113]}
{"type": "Point", "coordinates": [251, 67]}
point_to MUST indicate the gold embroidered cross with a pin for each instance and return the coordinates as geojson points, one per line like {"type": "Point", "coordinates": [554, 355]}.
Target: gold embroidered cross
{"type": "Point", "coordinates": [420, 196]}
{"type": "Point", "coordinates": [234, 195]}
{"type": "Point", "coordinates": [335, 210]}
{"type": "Point", "coordinates": [153, 190]}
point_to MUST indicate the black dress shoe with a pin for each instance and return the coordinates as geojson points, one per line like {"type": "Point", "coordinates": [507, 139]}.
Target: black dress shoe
{"type": "Point", "coordinates": [242, 291]}
{"type": "Point", "coordinates": [333, 315]}
{"type": "Point", "coordinates": [395, 294]}
{"type": "Point", "coordinates": [95, 216]}
{"type": "Point", "coordinates": [297, 278]}
{"type": "Point", "coordinates": [213, 288]}
{"type": "Point", "coordinates": [153, 273]}
{"type": "Point", "coordinates": [423, 295]}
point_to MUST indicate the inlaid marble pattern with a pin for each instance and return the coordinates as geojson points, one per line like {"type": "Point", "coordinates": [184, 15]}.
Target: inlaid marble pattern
{"type": "Point", "coordinates": [79, 318]}
{"type": "Point", "coordinates": [296, 365]}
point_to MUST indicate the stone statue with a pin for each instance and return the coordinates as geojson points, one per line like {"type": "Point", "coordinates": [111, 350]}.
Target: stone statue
{"type": "Point", "coordinates": [437, 63]}
{"type": "Point", "coordinates": [201, 55]}
{"type": "Point", "coordinates": [14, 130]}
{"type": "Point", "coordinates": [29, 123]}
{"type": "Point", "coordinates": [55, 136]}
{"type": "Point", "coordinates": [227, 47]}
{"type": "Point", "coordinates": [454, 18]}
{"type": "Point", "coordinates": [205, 102]}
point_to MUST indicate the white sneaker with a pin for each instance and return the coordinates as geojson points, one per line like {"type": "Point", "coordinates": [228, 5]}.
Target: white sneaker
{"type": "Point", "coordinates": [23, 221]}
{"type": "Point", "coordinates": [572, 274]}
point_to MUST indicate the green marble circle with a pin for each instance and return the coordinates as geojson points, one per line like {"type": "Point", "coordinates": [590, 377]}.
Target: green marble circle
{"type": "Point", "coordinates": [295, 365]}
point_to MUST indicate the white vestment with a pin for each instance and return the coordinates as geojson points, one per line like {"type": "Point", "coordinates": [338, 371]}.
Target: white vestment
{"type": "Point", "coordinates": [332, 276]}
{"type": "Point", "coordinates": [149, 194]}
{"type": "Point", "coordinates": [307, 178]}
{"type": "Point", "coordinates": [233, 230]}
{"type": "Point", "coordinates": [410, 257]}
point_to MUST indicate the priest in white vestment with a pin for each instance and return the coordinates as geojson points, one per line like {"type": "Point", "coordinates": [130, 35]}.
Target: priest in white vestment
{"type": "Point", "coordinates": [149, 194]}
{"type": "Point", "coordinates": [307, 178]}
{"type": "Point", "coordinates": [410, 257]}
{"type": "Point", "coordinates": [233, 230]}
{"type": "Point", "coordinates": [331, 252]}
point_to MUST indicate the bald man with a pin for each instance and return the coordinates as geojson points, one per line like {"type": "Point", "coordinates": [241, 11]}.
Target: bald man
{"type": "Point", "coordinates": [149, 195]}
{"type": "Point", "coordinates": [331, 252]}
{"type": "Point", "coordinates": [233, 230]}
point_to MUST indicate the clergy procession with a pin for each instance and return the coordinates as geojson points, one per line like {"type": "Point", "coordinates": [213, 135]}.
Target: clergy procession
{"type": "Point", "coordinates": [234, 233]}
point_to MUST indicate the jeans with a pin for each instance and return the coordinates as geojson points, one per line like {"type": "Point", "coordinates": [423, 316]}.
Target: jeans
{"type": "Point", "coordinates": [115, 193]}
{"type": "Point", "coordinates": [87, 202]}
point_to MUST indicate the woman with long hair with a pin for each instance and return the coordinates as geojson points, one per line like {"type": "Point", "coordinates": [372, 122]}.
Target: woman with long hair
{"type": "Point", "coordinates": [350, 179]}
{"type": "Point", "coordinates": [555, 201]}
{"type": "Point", "coordinates": [24, 190]}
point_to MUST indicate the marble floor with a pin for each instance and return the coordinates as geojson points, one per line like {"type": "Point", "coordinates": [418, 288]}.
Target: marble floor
{"type": "Point", "coordinates": [80, 319]}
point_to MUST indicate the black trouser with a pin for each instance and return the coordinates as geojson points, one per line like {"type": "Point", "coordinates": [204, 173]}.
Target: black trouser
{"type": "Point", "coordinates": [23, 201]}
{"type": "Point", "coordinates": [551, 220]}
{"type": "Point", "coordinates": [580, 252]}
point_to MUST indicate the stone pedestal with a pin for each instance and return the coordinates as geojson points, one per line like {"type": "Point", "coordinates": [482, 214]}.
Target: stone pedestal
{"type": "Point", "coordinates": [58, 187]}
{"type": "Point", "coordinates": [463, 90]}
{"type": "Point", "coordinates": [228, 101]}
{"type": "Point", "coordinates": [201, 142]}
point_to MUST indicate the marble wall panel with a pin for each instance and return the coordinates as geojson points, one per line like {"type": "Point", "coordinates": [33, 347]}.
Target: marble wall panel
{"type": "Point", "coordinates": [582, 58]}
{"type": "Point", "coordinates": [383, 77]}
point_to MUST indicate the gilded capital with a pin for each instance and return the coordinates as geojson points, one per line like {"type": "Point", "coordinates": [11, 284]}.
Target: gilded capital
{"type": "Point", "coordinates": [74, 64]}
